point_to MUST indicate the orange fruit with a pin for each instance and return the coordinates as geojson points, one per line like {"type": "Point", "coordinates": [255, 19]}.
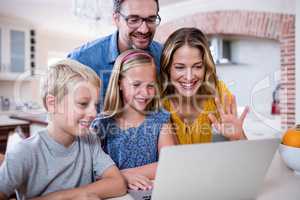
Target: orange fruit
{"type": "Point", "coordinates": [292, 137]}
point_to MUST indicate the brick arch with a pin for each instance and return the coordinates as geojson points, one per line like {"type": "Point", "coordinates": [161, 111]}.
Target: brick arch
{"type": "Point", "coordinates": [279, 27]}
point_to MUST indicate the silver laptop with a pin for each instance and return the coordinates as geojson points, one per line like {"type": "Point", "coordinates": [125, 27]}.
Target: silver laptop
{"type": "Point", "coordinates": [224, 170]}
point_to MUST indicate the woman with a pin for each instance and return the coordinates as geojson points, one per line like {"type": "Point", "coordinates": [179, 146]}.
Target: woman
{"type": "Point", "coordinates": [192, 92]}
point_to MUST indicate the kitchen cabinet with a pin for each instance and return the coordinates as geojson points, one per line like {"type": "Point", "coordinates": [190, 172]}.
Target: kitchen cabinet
{"type": "Point", "coordinates": [16, 50]}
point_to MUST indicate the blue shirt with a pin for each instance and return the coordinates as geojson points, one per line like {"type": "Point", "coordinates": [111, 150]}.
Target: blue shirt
{"type": "Point", "coordinates": [101, 54]}
{"type": "Point", "coordinates": [132, 147]}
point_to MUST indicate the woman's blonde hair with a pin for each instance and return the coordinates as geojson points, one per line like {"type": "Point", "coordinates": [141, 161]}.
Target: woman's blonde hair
{"type": "Point", "coordinates": [64, 75]}
{"type": "Point", "coordinates": [192, 37]}
{"type": "Point", "coordinates": [129, 59]}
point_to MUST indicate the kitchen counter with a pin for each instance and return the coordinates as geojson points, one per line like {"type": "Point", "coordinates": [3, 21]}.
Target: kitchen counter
{"type": "Point", "coordinates": [40, 118]}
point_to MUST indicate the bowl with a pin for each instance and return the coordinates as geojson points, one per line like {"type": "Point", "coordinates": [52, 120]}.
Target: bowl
{"type": "Point", "coordinates": [291, 157]}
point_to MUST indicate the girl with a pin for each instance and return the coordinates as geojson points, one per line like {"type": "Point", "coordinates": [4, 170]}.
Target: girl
{"type": "Point", "coordinates": [190, 84]}
{"type": "Point", "coordinates": [134, 125]}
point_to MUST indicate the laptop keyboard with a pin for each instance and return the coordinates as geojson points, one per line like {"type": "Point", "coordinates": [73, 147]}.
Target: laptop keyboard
{"type": "Point", "coordinates": [140, 194]}
{"type": "Point", "coordinates": [147, 197]}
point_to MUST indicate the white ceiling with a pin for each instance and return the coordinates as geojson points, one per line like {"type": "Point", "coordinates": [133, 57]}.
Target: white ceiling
{"type": "Point", "coordinates": [56, 16]}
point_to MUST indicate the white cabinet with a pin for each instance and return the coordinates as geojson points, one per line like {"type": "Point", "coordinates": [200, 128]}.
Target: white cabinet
{"type": "Point", "coordinates": [17, 51]}
{"type": "Point", "coordinates": [14, 51]}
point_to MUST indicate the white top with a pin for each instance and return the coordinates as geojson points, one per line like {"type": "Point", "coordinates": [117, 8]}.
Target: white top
{"type": "Point", "coordinates": [39, 165]}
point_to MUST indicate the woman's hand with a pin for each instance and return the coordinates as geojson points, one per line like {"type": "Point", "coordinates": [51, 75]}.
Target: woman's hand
{"type": "Point", "coordinates": [136, 181]}
{"type": "Point", "coordinates": [230, 125]}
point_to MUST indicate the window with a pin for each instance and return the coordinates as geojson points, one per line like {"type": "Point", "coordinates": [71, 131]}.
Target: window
{"type": "Point", "coordinates": [226, 49]}
{"type": "Point", "coordinates": [16, 57]}
{"type": "Point", "coordinates": [17, 51]}
{"type": "Point", "coordinates": [221, 50]}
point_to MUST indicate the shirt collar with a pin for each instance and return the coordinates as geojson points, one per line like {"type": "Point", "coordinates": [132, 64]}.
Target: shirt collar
{"type": "Point", "coordinates": [113, 47]}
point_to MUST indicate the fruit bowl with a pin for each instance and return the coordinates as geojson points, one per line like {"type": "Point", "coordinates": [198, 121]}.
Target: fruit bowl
{"type": "Point", "coordinates": [291, 157]}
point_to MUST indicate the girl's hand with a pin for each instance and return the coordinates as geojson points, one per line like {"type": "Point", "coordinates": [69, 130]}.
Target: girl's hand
{"type": "Point", "coordinates": [230, 125]}
{"type": "Point", "coordinates": [136, 181]}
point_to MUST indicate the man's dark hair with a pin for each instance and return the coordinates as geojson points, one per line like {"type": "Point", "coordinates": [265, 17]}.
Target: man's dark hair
{"type": "Point", "coordinates": [118, 3]}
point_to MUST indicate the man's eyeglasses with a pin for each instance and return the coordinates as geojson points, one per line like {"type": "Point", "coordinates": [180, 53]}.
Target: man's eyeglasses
{"type": "Point", "coordinates": [135, 21]}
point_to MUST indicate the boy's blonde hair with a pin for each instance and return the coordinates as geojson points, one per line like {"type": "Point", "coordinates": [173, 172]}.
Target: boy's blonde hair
{"type": "Point", "coordinates": [125, 61]}
{"type": "Point", "coordinates": [64, 75]}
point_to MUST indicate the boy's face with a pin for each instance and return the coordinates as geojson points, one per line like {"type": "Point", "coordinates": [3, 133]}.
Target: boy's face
{"type": "Point", "coordinates": [75, 112]}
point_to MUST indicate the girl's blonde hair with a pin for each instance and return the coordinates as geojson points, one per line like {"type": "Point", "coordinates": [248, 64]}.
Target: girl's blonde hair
{"type": "Point", "coordinates": [129, 59]}
{"type": "Point", "coordinates": [191, 37]}
{"type": "Point", "coordinates": [64, 75]}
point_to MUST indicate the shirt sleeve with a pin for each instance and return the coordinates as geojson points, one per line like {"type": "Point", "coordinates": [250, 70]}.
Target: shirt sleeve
{"type": "Point", "coordinates": [101, 160]}
{"type": "Point", "coordinates": [15, 169]}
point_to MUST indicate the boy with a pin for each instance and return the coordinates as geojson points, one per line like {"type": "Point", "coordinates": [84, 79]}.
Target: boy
{"type": "Point", "coordinates": [65, 155]}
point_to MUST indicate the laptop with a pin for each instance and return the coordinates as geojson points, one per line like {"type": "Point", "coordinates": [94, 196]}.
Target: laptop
{"type": "Point", "coordinates": [224, 170]}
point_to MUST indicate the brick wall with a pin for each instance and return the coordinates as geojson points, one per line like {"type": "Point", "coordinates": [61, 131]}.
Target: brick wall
{"type": "Point", "coordinates": [279, 27]}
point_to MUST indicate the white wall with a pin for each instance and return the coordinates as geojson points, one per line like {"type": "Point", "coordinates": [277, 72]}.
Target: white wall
{"type": "Point", "coordinates": [20, 92]}
{"type": "Point", "coordinates": [54, 44]}
{"type": "Point", "coordinates": [256, 73]}
{"type": "Point", "coordinates": [194, 6]}
{"type": "Point", "coordinates": [298, 63]}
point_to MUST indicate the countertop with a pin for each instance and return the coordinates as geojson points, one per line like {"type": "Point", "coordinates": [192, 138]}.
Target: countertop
{"type": "Point", "coordinates": [39, 118]}
{"type": "Point", "coordinates": [29, 116]}
{"type": "Point", "coordinates": [7, 121]}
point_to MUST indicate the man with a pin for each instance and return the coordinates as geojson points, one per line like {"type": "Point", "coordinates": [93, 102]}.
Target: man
{"type": "Point", "coordinates": [136, 22]}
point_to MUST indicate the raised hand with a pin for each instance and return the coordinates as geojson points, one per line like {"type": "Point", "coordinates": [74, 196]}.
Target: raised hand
{"type": "Point", "coordinates": [230, 124]}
